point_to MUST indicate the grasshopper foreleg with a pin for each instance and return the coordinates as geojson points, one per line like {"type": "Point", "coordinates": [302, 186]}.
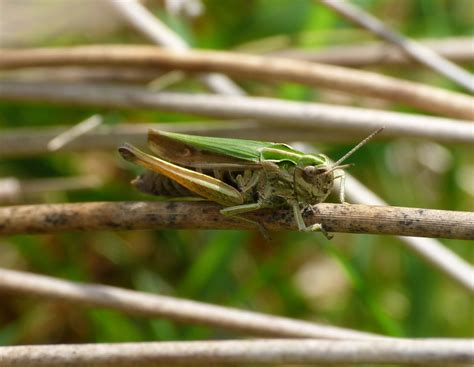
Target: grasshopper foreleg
{"type": "Point", "coordinates": [342, 186]}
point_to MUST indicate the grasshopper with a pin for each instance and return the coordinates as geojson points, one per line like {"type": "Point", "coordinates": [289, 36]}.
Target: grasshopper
{"type": "Point", "coordinates": [241, 175]}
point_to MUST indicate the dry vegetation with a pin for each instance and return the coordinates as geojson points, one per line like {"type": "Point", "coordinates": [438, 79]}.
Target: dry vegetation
{"type": "Point", "coordinates": [115, 268]}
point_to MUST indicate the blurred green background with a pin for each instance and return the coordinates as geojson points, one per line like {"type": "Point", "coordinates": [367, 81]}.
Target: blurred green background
{"type": "Point", "coordinates": [364, 282]}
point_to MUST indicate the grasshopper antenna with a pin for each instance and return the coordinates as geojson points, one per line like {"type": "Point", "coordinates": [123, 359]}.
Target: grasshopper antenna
{"type": "Point", "coordinates": [337, 165]}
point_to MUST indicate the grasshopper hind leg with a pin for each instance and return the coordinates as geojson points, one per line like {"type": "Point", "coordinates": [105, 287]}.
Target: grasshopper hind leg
{"type": "Point", "coordinates": [235, 211]}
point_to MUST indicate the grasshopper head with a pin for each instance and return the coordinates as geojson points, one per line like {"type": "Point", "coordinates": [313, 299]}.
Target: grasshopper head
{"type": "Point", "coordinates": [314, 181]}
{"type": "Point", "coordinates": [314, 176]}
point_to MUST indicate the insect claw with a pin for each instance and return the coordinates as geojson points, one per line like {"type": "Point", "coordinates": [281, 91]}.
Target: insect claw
{"type": "Point", "coordinates": [318, 227]}
{"type": "Point", "coordinates": [326, 234]}
{"type": "Point", "coordinates": [264, 232]}
{"type": "Point", "coordinates": [308, 210]}
{"type": "Point", "coordinates": [261, 228]}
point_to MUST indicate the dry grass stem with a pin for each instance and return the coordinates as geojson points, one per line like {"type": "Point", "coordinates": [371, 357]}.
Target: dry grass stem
{"type": "Point", "coordinates": [281, 351]}
{"type": "Point", "coordinates": [14, 282]}
{"type": "Point", "coordinates": [90, 74]}
{"type": "Point", "coordinates": [412, 48]}
{"type": "Point", "coordinates": [458, 49]}
{"type": "Point", "coordinates": [141, 63]}
{"type": "Point", "coordinates": [425, 97]}
{"type": "Point", "coordinates": [74, 132]}
{"type": "Point", "coordinates": [20, 142]}
{"type": "Point", "coordinates": [349, 218]}
{"type": "Point", "coordinates": [270, 111]}
{"type": "Point", "coordinates": [159, 33]}
{"type": "Point", "coordinates": [12, 189]}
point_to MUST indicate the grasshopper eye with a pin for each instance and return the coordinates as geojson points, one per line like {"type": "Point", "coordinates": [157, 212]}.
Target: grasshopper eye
{"type": "Point", "coordinates": [311, 171]}
{"type": "Point", "coordinates": [313, 174]}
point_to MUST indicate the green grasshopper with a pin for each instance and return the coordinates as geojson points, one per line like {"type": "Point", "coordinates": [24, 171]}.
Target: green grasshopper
{"type": "Point", "coordinates": [241, 175]}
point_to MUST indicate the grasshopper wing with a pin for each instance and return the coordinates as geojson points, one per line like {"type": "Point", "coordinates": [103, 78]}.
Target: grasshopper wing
{"type": "Point", "coordinates": [203, 185]}
{"type": "Point", "coordinates": [206, 152]}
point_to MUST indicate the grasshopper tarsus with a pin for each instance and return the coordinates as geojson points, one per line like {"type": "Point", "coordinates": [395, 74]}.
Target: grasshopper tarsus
{"type": "Point", "coordinates": [318, 227]}
{"type": "Point", "coordinates": [308, 210]}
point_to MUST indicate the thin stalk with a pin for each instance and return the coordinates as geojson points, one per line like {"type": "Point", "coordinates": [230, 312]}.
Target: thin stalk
{"type": "Point", "coordinates": [158, 32]}
{"type": "Point", "coordinates": [354, 218]}
{"type": "Point", "coordinates": [282, 351]}
{"type": "Point", "coordinates": [412, 48]}
{"type": "Point", "coordinates": [458, 49]}
{"type": "Point", "coordinates": [273, 112]}
{"type": "Point", "coordinates": [418, 95]}
{"type": "Point", "coordinates": [19, 142]}
{"type": "Point", "coordinates": [15, 282]}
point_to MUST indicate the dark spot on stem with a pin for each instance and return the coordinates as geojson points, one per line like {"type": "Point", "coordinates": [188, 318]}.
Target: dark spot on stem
{"type": "Point", "coordinates": [172, 220]}
{"type": "Point", "coordinates": [111, 224]}
{"type": "Point", "coordinates": [56, 219]}
{"type": "Point", "coordinates": [171, 205]}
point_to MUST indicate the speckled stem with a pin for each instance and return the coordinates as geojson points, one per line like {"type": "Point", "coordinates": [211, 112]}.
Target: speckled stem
{"type": "Point", "coordinates": [349, 218]}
